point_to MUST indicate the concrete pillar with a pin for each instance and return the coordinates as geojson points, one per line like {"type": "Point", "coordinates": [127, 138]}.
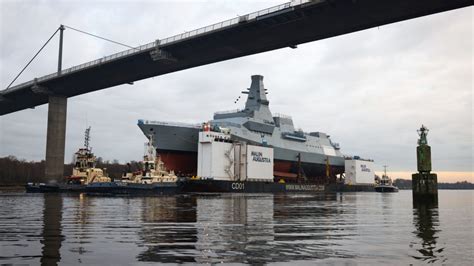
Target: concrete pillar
{"type": "Point", "coordinates": [425, 187]}
{"type": "Point", "coordinates": [56, 138]}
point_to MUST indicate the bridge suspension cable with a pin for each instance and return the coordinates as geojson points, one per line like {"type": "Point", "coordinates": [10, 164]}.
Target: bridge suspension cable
{"type": "Point", "coordinates": [81, 31]}
{"type": "Point", "coordinates": [33, 57]}
{"type": "Point", "coordinates": [99, 37]}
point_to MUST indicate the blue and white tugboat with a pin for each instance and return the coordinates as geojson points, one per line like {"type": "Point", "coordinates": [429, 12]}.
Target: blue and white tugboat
{"type": "Point", "coordinates": [385, 184]}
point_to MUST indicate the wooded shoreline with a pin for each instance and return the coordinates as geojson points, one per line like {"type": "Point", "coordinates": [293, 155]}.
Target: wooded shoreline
{"type": "Point", "coordinates": [17, 172]}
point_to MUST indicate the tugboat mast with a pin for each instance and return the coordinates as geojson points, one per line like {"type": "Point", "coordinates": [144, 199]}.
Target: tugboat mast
{"type": "Point", "coordinates": [150, 151]}
{"type": "Point", "coordinates": [87, 138]}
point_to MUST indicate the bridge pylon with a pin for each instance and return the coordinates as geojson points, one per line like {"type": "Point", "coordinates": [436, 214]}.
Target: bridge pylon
{"type": "Point", "coordinates": [56, 133]}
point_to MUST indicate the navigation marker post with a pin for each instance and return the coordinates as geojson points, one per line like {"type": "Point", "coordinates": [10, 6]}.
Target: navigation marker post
{"type": "Point", "coordinates": [424, 183]}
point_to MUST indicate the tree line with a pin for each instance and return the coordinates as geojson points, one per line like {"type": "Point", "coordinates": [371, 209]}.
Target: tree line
{"type": "Point", "coordinates": [406, 184]}
{"type": "Point", "coordinates": [14, 171]}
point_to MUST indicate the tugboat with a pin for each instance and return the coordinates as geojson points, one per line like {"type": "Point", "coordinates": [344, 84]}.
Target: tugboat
{"type": "Point", "coordinates": [152, 178]}
{"type": "Point", "coordinates": [153, 169]}
{"type": "Point", "coordinates": [385, 184]}
{"type": "Point", "coordinates": [85, 171]}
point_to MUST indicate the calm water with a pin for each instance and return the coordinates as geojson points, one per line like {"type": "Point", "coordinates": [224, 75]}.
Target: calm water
{"type": "Point", "coordinates": [351, 228]}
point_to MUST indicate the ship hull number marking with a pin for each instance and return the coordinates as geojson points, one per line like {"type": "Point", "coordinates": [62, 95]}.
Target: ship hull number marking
{"type": "Point", "coordinates": [237, 186]}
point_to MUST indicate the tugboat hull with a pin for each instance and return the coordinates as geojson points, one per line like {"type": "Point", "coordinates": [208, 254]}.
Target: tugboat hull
{"type": "Point", "coordinates": [134, 188]}
{"type": "Point", "coordinates": [107, 188]}
{"type": "Point", "coordinates": [54, 188]}
{"type": "Point", "coordinates": [384, 189]}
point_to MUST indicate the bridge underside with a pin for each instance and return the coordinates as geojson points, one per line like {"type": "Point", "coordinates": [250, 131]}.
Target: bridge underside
{"type": "Point", "coordinates": [305, 24]}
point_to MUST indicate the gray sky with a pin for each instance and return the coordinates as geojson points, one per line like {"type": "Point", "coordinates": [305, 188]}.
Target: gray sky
{"type": "Point", "coordinates": [369, 90]}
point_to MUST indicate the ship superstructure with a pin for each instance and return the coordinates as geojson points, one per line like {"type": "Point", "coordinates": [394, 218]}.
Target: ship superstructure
{"type": "Point", "coordinates": [85, 171]}
{"type": "Point", "coordinates": [297, 154]}
{"type": "Point", "coordinates": [152, 168]}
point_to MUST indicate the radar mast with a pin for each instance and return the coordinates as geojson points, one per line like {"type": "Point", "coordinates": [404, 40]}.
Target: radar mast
{"type": "Point", "coordinates": [87, 137]}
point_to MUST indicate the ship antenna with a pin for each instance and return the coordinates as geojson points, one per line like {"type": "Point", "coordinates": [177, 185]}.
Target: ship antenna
{"type": "Point", "coordinates": [87, 138]}
{"type": "Point", "coordinates": [385, 170]}
{"type": "Point", "coordinates": [236, 100]}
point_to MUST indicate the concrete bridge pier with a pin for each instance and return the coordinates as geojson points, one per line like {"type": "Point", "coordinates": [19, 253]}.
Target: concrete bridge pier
{"type": "Point", "coordinates": [56, 134]}
{"type": "Point", "coordinates": [56, 138]}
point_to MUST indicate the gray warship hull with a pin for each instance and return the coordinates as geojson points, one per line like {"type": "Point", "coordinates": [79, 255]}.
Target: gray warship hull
{"type": "Point", "coordinates": [177, 146]}
{"type": "Point", "coordinates": [296, 153]}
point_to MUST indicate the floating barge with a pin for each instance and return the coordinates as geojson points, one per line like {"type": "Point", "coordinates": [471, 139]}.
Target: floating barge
{"type": "Point", "coordinates": [195, 186]}
{"type": "Point", "coordinates": [224, 165]}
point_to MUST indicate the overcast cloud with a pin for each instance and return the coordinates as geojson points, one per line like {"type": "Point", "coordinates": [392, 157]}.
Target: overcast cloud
{"type": "Point", "coordinates": [369, 90]}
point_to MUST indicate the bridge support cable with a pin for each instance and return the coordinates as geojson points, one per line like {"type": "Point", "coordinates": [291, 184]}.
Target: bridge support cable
{"type": "Point", "coordinates": [100, 37]}
{"type": "Point", "coordinates": [41, 49]}
{"type": "Point", "coordinates": [62, 27]}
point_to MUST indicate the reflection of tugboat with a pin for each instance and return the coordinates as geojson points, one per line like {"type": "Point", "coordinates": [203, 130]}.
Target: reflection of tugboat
{"type": "Point", "coordinates": [384, 184]}
{"type": "Point", "coordinates": [152, 169]}
{"type": "Point", "coordinates": [85, 171]}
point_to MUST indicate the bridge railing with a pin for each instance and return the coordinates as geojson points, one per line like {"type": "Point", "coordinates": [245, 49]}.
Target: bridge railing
{"type": "Point", "coordinates": [230, 22]}
{"type": "Point", "coordinates": [170, 40]}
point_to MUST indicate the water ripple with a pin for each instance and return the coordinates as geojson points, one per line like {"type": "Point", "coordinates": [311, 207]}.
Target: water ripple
{"type": "Point", "coordinates": [365, 228]}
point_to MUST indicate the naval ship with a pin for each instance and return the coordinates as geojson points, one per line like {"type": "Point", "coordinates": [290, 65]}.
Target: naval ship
{"type": "Point", "coordinates": [298, 155]}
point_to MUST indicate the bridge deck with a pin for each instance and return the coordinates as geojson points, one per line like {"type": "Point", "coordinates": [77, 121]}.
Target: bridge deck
{"type": "Point", "coordinates": [281, 26]}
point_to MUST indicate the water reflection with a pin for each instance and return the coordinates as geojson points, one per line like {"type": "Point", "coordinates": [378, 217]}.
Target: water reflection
{"type": "Point", "coordinates": [167, 230]}
{"type": "Point", "coordinates": [312, 227]}
{"type": "Point", "coordinates": [234, 228]}
{"type": "Point", "coordinates": [239, 228]}
{"type": "Point", "coordinates": [364, 228]}
{"type": "Point", "coordinates": [426, 221]}
{"type": "Point", "coordinates": [81, 213]}
{"type": "Point", "coordinates": [52, 237]}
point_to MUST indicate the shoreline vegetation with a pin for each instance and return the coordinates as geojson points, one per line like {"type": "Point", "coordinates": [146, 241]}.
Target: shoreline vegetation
{"type": "Point", "coordinates": [16, 172]}
{"type": "Point", "coordinates": [406, 184]}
